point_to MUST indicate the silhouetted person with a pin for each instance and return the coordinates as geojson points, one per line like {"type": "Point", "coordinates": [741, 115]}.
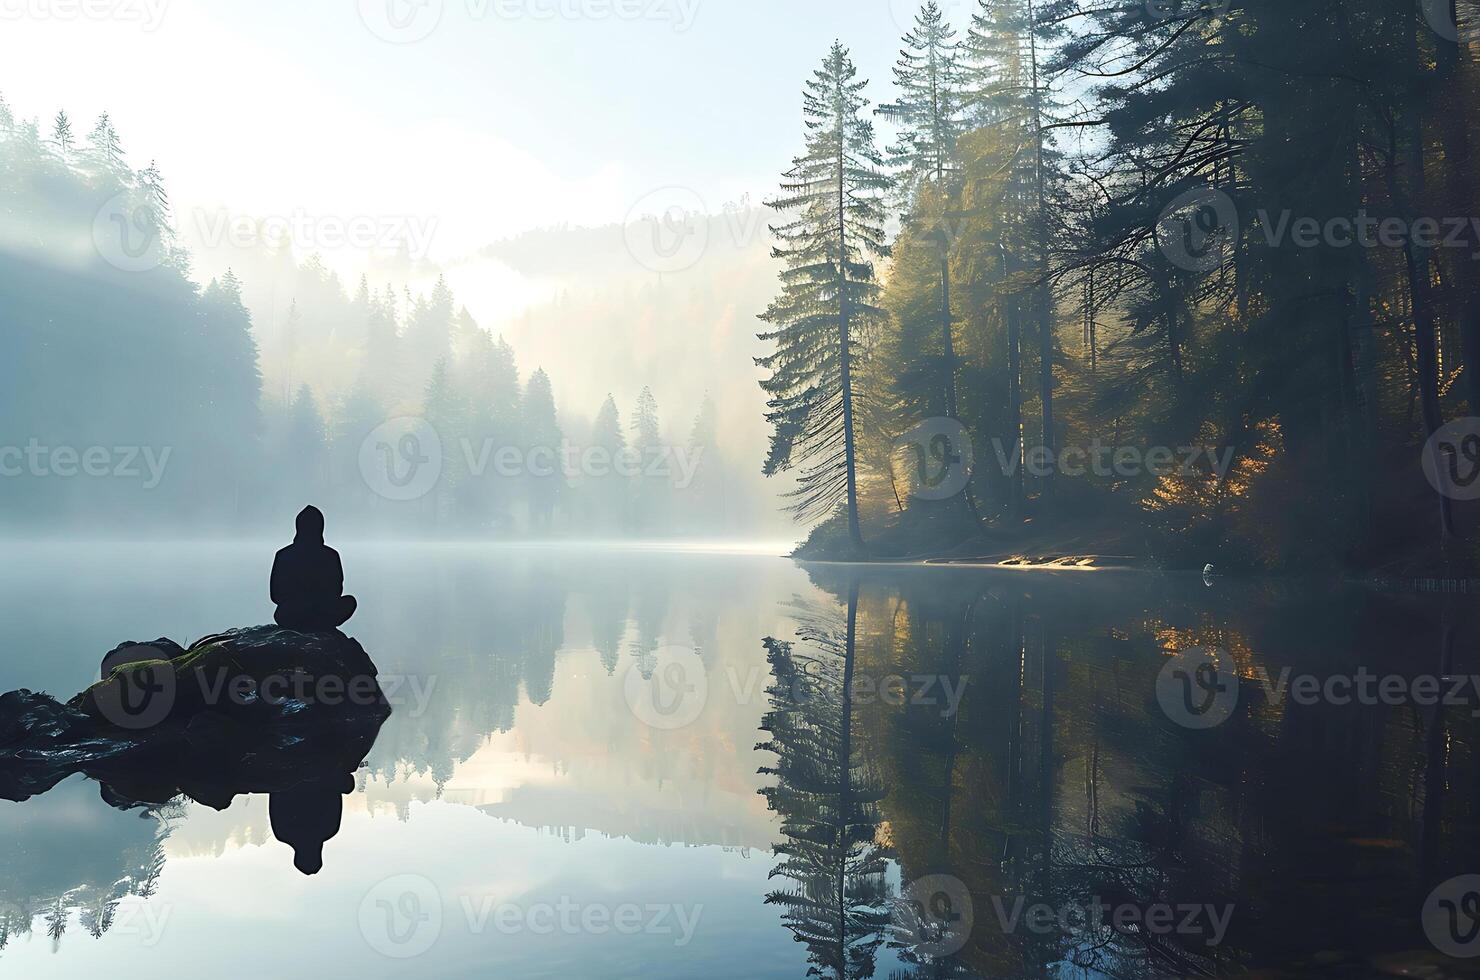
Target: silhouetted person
{"type": "Point", "coordinates": [308, 580]}
{"type": "Point", "coordinates": [307, 816]}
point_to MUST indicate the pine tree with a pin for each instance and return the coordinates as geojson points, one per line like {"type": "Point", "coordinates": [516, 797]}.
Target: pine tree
{"type": "Point", "coordinates": [649, 502]}
{"type": "Point", "coordinates": [609, 489]}
{"type": "Point", "coordinates": [929, 76]}
{"type": "Point", "coordinates": [160, 215]}
{"type": "Point", "coordinates": [542, 443]}
{"type": "Point", "coordinates": [707, 509]}
{"type": "Point", "coordinates": [829, 294]}
{"type": "Point", "coordinates": [61, 136]}
{"type": "Point", "coordinates": [104, 155]}
{"type": "Point", "coordinates": [447, 413]}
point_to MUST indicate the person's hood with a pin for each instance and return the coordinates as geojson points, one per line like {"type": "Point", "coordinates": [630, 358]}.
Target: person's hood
{"type": "Point", "coordinates": [310, 526]}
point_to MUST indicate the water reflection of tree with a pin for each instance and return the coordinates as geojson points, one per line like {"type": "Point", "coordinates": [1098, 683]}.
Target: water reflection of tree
{"type": "Point", "coordinates": [91, 883]}
{"type": "Point", "coordinates": [1059, 779]}
{"type": "Point", "coordinates": [827, 801]}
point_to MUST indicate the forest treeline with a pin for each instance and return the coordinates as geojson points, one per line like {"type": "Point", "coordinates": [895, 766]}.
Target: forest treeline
{"type": "Point", "coordinates": [1238, 236]}
{"type": "Point", "coordinates": [132, 397]}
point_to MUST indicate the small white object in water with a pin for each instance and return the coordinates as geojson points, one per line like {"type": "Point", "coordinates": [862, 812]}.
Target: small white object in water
{"type": "Point", "coordinates": [1208, 575]}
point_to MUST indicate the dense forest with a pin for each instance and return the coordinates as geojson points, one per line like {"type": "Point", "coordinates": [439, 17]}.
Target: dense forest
{"type": "Point", "coordinates": [134, 398]}
{"type": "Point", "coordinates": [1186, 281]}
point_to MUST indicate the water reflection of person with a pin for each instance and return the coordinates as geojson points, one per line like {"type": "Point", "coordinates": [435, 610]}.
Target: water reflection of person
{"type": "Point", "coordinates": [307, 816]}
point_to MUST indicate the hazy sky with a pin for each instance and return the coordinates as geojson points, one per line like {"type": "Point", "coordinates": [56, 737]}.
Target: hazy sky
{"type": "Point", "coordinates": [508, 114]}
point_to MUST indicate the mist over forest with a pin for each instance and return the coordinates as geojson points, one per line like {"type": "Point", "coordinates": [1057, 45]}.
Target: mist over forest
{"type": "Point", "coordinates": [241, 378]}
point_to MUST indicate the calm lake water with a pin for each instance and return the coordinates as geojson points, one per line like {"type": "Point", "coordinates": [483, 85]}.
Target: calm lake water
{"type": "Point", "coordinates": [607, 763]}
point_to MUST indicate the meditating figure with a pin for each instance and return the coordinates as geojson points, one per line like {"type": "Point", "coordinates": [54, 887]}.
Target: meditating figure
{"type": "Point", "coordinates": [308, 580]}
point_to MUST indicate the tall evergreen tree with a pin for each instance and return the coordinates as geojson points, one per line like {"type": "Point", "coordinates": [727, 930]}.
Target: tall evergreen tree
{"type": "Point", "coordinates": [61, 136]}
{"type": "Point", "coordinates": [650, 497]}
{"type": "Point", "coordinates": [545, 481]}
{"type": "Point", "coordinates": [829, 293]}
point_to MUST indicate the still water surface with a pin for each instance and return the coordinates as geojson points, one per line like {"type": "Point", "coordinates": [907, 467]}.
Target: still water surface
{"type": "Point", "coordinates": [660, 763]}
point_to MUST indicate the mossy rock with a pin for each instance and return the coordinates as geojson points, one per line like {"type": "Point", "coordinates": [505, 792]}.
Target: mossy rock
{"type": "Point", "coordinates": [261, 674]}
